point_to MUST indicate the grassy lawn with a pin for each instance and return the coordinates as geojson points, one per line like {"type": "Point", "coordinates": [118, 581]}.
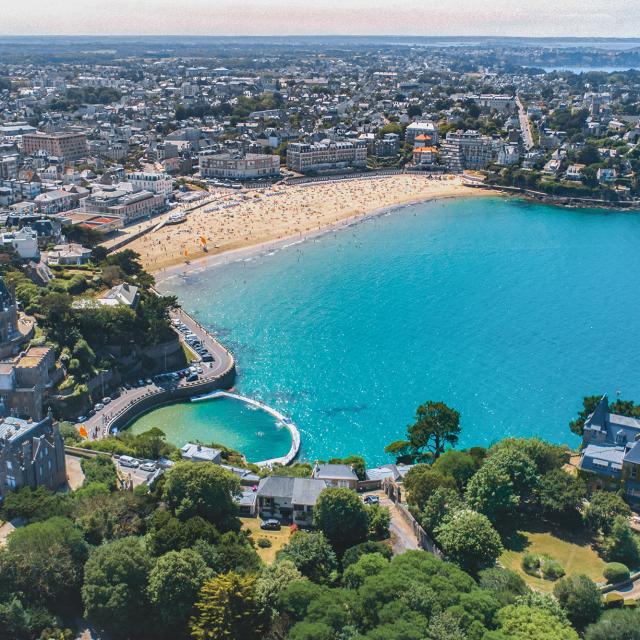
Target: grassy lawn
{"type": "Point", "coordinates": [573, 551]}
{"type": "Point", "coordinates": [278, 538]}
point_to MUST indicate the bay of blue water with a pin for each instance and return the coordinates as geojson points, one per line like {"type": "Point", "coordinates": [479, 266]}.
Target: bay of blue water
{"type": "Point", "coordinates": [506, 310]}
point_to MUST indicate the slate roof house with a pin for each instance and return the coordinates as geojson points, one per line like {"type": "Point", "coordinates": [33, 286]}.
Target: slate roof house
{"type": "Point", "coordinates": [31, 454]}
{"type": "Point", "coordinates": [336, 475]}
{"type": "Point", "coordinates": [611, 451]}
{"type": "Point", "coordinates": [290, 500]}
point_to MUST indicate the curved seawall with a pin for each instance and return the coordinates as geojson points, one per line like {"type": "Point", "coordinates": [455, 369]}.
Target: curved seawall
{"type": "Point", "coordinates": [293, 430]}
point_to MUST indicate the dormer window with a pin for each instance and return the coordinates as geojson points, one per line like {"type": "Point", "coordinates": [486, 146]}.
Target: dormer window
{"type": "Point", "coordinates": [621, 437]}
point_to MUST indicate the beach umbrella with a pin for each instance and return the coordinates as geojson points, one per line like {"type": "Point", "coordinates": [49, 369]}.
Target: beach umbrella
{"type": "Point", "coordinates": [83, 432]}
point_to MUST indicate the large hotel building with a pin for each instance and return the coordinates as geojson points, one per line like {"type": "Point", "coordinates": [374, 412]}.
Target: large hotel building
{"type": "Point", "coordinates": [70, 146]}
{"type": "Point", "coordinates": [236, 167]}
{"type": "Point", "coordinates": [303, 157]}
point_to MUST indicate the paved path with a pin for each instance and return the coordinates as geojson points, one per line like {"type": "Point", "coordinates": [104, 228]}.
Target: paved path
{"type": "Point", "coordinates": [402, 536]}
{"type": "Point", "coordinates": [99, 425]}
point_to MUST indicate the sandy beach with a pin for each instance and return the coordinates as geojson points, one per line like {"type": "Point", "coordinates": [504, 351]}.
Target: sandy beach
{"type": "Point", "coordinates": [237, 220]}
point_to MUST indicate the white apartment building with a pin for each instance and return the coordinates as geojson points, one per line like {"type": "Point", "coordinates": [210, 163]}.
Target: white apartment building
{"type": "Point", "coordinates": [498, 102]}
{"type": "Point", "coordinates": [303, 157]}
{"type": "Point", "coordinates": [248, 167]}
{"type": "Point", "coordinates": [428, 129]}
{"type": "Point", "coordinates": [159, 183]}
{"type": "Point", "coordinates": [466, 150]}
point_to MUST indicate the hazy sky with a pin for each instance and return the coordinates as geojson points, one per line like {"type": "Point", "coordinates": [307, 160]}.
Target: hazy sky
{"type": "Point", "coordinates": [619, 18]}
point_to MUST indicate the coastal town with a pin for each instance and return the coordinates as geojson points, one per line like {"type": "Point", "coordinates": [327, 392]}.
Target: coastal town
{"type": "Point", "coordinates": [126, 163]}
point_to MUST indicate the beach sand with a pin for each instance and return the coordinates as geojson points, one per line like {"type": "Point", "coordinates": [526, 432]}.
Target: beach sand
{"type": "Point", "coordinates": [258, 217]}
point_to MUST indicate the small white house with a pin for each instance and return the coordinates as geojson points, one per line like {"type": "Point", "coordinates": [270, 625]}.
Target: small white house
{"type": "Point", "coordinates": [24, 242]}
{"type": "Point", "coordinates": [199, 453]}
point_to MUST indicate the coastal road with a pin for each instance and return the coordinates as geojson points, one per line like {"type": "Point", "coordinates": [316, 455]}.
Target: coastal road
{"type": "Point", "coordinates": [525, 125]}
{"type": "Point", "coordinates": [99, 425]}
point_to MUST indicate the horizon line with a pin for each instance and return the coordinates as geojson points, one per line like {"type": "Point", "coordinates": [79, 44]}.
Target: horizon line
{"type": "Point", "coordinates": [316, 35]}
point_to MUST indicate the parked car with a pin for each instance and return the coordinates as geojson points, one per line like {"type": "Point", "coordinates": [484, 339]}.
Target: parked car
{"type": "Point", "coordinates": [192, 377]}
{"type": "Point", "coordinates": [149, 381]}
{"type": "Point", "coordinates": [106, 400]}
{"type": "Point", "coordinates": [98, 406]}
{"type": "Point", "coordinates": [270, 525]}
{"type": "Point", "coordinates": [371, 500]}
{"type": "Point", "coordinates": [81, 419]}
{"type": "Point", "coordinates": [128, 461]}
{"type": "Point", "coordinates": [148, 466]}
{"type": "Point", "coordinates": [207, 357]}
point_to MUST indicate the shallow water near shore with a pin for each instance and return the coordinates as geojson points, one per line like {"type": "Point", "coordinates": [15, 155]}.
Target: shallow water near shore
{"type": "Point", "coordinates": [507, 310]}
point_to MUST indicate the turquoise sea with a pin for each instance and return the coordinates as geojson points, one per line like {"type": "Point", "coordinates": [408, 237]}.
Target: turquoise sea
{"type": "Point", "coordinates": [506, 310]}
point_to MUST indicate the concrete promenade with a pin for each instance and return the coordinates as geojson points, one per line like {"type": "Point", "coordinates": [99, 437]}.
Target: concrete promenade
{"type": "Point", "coordinates": [293, 430]}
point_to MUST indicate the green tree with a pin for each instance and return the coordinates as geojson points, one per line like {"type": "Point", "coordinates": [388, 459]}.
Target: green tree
{"type": "Point", "coordinates": [370, 564]}
{"type": "Point", "coordinates": [312, 555]}
{"type": "Point", "coordinates": [44, 561]}
{"type": "Point", "coordinates": [311, 631]}
{"type": "Point", "coordinates": [272, 582]}
{"type": "Point", "coordinates": [618, 624]}
{"type": "Point", "coordinates": [561, 495]}
{"type": "Point", "coordinates": [442, 502]}
{"type": "Point", "coordinates": [33, 505]}
{"type": "Point", "coordinates": [340, 514]}
{"type": "Point", "coordinates": [602, 510]}
{"type": "Point", "coordinates": [227, 609]}
{"type": "Point", "coordinates": [436, 426]}
{"type": "Point", "coordinates": [100, 470]}
{"type": "Point", "coordinates": [545, 456]}
{"type": "Point", "coordinates": [353, 554]}
{"type": "Point", "coordinates": [295, 599]}
{"type": "Point", "coordinates": [422, 481]}
{"type": "Point", "coordinates": [580, 598]}
{"type": "Point", "coordinates": [205, 490]}
{"type": "Point", "coordinates": [114, 589]}
{"type": "Point", "coordinates": [616, 572]}
{"type": "Point", "coordinates": [507, 480]}
{"type": "Point", "coordinates": [521, 622]}
{"type": "Point", "coordinates": [235, 553]}
{"type": "Point", "coordinates": [379, 519]}
{"type": "Point", "coordinates": [621, 545]}
{"type": "Point", "coordinates": [174, 583]}
{"type": "Point", "coordinates": [458, 465]}
{"type": "Point", "coordinates": [505, 585]}
{"type": "Point", "coordinates": [468, 539]}
{"type": "Point", "coordinates": [491, 493]}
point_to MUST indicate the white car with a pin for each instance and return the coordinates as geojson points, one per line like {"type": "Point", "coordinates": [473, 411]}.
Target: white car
{"type": "Point", "coordinates": [128, 461]}
{"type": "Point", "coordinates": [99, 406]}
{"type": "Point", "coordinates": [148, 466]}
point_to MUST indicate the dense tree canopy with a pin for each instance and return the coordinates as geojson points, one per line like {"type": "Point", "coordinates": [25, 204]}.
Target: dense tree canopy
{"type": "Point", "coordinates": [311, 554]}
{"type": "Point", "coordinates": [468, 539]}
{"type": "Point", "coordinates": [174, 583]}
{"type": "Point", "coordinates": [580, 598]}
{"type": "Point", "coordinates": [227, 609]}
{"type": "Point", "coordinates": [205, 490]}
{"type": "Point", "coordinates": [340, 514]}
{"type": "Point", "coordinates": [114, 590]}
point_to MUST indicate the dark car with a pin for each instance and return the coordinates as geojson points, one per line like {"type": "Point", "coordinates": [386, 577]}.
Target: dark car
{"type": "Point", "coordinates": [371, 500]}
{"type": "Point", "coordinates": [207, 357]}
{"type": "Point", "coordinates": [192, 377]}
{"type": "Point", "coordinates": [270, 525]}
